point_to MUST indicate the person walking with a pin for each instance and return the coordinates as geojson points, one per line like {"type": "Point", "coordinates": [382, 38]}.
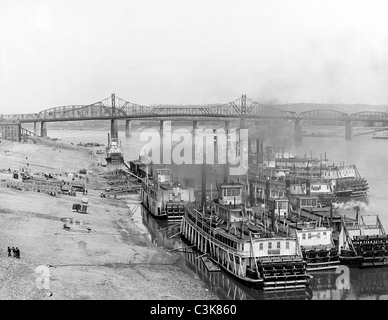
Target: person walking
{"type": "Point", "coordinates": [9, 252]}
{"type": "Point", "coordinates": [13, 252]}
{"type": "Point", "coordinates": [17, 253]}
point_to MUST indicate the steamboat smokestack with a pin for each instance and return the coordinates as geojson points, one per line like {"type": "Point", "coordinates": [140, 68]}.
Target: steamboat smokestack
{"type": "Point", "coordinates": [273, 205]}
{"type": "Point", "coordinates": [307, 187]}
{"type": "Point", "coordinates": [288, 188]}
{"type": "Point", "coordinates": [267, 190]}
{"type": "Point", "coordinates": [331, 214]}
{"type": "Point", "coordinates": [226, 165]}
{"type": "Point", "coordinates": [203, 193]}
{"type": "Point", "coordinates": [251, 195]}
{"type": "Point", "coordinates": [203, 178]}
{"type": "Point", "coordinates": [357, 213]}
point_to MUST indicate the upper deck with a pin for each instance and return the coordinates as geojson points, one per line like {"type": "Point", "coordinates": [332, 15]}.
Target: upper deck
{"type": "Point", "coordinates": [244, 236]}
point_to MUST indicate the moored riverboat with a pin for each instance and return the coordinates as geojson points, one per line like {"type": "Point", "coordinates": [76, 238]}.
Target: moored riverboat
{"type": "Point", "coordinates": [225, 230]}
{"type": "Point", "coordinates": [311, 224]}
{"type": "Point", "coordinates": [163, 197]}
{"type": "Point", "coordinates": [363, 242]}
{"type": "Point", "coordinates": [114, 154]}
{"type": "Point", "coordinates": [318, 247]}
{"type": "Point", "coordinates": [315, 236]}
{"type": "Point", "coordinates": [302, 175]}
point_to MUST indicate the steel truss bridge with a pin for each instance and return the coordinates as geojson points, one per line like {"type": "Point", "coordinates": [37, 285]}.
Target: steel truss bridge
{"type": "Point", "coordinates": [118, 108]}
{"type": "Point", "coordinates": [114, 108]}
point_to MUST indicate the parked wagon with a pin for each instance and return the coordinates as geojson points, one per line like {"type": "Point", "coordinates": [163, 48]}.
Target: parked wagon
{"type": "Point", "coordinates": [80, 208]}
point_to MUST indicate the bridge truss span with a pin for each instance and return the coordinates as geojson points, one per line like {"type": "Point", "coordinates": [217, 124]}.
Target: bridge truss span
{"type": "Point", "coordinates": [370, 116]}
{"type": "Point", "coordinates": [115, 107]}
{"type": "Point", "coordinates": [240, 108]}
{"type": "Point", "coordinates": [324, 114]}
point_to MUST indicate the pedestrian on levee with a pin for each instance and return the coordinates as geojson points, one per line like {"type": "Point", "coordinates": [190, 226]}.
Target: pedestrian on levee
{"type": "Point", "coordinates": [13, 252]}
{"type": "Point", "coordinates": [9, 252]}
{"type": "Point", "coordinates": [17, 253]}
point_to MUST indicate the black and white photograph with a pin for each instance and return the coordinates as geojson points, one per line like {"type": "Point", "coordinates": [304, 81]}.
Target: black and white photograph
{"type": "Point", "coordinates": [194, 154]}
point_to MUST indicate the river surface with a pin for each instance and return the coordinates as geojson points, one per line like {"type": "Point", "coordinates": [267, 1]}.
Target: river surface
{"type": "Point", "coordinates": [369, 155]}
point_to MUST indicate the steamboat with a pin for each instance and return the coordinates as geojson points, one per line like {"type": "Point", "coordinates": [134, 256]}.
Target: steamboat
{"type": "Point", "coordinates": [163, 197]}
{"type": "Point", "coordinates": [114, 154]}
{"type": "Point", "coordinates": [225, 230]}
{"type": "Point", "coordinates": [310, 223]}
{"type": "Point", "coordinates": [284, 172]}
{"type": "Point", "coordinates": [315, 238]}
{"type": "Point", "coordinates": [346, 180]}
{"type": "Point", "coordinates": [363, 242]}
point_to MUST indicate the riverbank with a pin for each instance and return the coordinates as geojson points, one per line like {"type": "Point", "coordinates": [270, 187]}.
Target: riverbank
{"type": "Point", "coordinates": [115, 260]}
{"type": "Point", "coordinates": [339, 131]}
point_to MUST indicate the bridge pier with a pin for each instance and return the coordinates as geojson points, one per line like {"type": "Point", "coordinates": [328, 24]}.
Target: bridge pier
{"type": "Point", "coordinates": [22, 135]}
{"type": "Point", "coordinates": [298, 132]}
{"type": "Point", "coordinates": [349, 130]}
{"type": "Point", "coordinates": [43, 129]}
{"type": "Point", "coordinates": [243, 125]}
{"type": "Point", "coordinates": [243, 149]}
{"type": "Point", "coordinates": [195, 126]}
{"type": "Point", "coordinates": [113, 129]}
{"type": "Point", "coordinates": [128, 128]}
{"type": "Point", "coordinates": [36, 131]}
{"type": "Point", "coordinates": [165, 142]}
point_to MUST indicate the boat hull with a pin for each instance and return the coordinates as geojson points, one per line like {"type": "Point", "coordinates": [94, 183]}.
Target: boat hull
{"type": "Point", "coordinates": [364, 262]}
{"type": "Point", "coordinates": [322, 266]}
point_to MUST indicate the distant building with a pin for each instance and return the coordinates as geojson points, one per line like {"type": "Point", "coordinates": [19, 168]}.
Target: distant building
{"type": "Point", "coordinates": [10, 130]}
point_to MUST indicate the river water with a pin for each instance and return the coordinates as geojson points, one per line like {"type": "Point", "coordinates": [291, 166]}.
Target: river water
{"type": "Point", "coordinates": [369, 155]}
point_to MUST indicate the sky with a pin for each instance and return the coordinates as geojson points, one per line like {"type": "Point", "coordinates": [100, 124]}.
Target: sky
{"type": "Point", "coordinates": [55, 53]}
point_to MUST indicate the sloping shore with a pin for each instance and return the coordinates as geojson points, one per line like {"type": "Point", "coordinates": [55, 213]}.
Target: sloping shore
{"type": "Point", "coordinates": [115, 260]}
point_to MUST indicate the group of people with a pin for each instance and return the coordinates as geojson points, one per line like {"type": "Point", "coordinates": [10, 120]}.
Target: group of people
{"type": "Point", "coordinates": [15, 252]}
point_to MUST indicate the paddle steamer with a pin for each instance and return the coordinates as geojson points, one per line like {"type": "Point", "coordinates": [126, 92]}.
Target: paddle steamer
{"type": "Point", "coordinates": [226, 231]}
{"type": "Point", "coordinates": [163, 197]}
{"type": "Point", "coordinates": [114, 154]}
{"type": "Point", "coordinates": [314, 235]}
{"type": "Point", "coordinates": [363, 242]}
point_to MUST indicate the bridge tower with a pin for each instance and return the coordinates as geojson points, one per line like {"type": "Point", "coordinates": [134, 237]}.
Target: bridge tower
{"type": "Point", "coordinates": [298, 132]}
{"type": "Point", "coordinates": [243, 124]}
{"type": "Point", "coordinates": [43, 129]}
{"type": "Point", "coordinates": [113, 122]}
{"type": "Point", "coordinates": [244, 104]}
{"type": "Point", "coordinates": [348, 130]}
